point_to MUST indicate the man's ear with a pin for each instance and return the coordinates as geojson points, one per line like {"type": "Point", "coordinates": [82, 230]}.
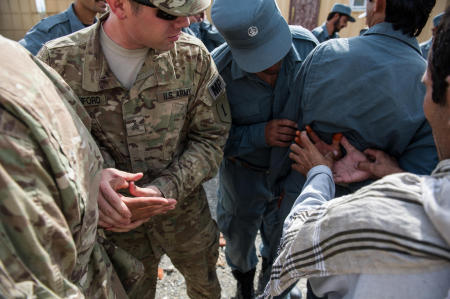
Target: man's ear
{"type": "Point", "coordinates": [380, 6]}
{"type": "Point", "coordinates": [118, 7]}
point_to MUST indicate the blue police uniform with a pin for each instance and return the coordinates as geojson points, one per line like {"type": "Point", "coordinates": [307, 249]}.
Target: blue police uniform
{"type": "Point", "coordinates": [207, 33]}
{"type": "Point", "coordinates": [321, 33]}
{"type": "Point", "coordinates": [248, 200]}
{"type": "Point", "coordinates": [50, 28]}
{"type": "Point", "coordinates": [369, 88]}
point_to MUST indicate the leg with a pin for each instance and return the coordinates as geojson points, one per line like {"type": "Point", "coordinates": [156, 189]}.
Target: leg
{"type": "Point", "coordinates": [137, 243]}
{"type": "Point", "coordinates": [190, 238]}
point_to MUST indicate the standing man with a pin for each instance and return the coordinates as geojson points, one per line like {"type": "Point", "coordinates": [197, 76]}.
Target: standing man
{"type": "Point", "coordinates": [258, 67]}
{"type": "Point", "coordinates": [80, 14]}
{"type": "Point", "coordinates": [388, 240]}
{"type": "Point", "coordinates": [337, 19]}
{"type": "Point", "coordinates": [385, 114]}
{"type": "Point", "coordinates": [159, 107]}
{"type": "Point", "coordinates": [425, 46]}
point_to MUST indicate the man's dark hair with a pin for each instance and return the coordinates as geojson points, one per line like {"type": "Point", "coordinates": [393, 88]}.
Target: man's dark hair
{"type": "Point", "coordinates": [439, 59]}
{"type": "Point", "coordinates": [135, 7]}
{"type": "Point", "coordinates": [331, 15]}
{"type": "Point", "coordinates": [409, 16]}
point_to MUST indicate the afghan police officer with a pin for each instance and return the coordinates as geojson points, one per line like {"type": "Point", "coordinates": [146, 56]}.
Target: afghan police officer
{"type": "Point", "coordinates": [425, 46]}
{"type": "Point", "coordinates": [81, 13]}
{"type": "Point", "coordinates": [337, 19]}
{"type": "Point", "coordinates": [258, 62]}
{"type": "Point", "coordinates": [205, 31]}
{"type": "Point", "coordinates": [159, 107]}
{"type": "Point", "coordinates": [50, 170]}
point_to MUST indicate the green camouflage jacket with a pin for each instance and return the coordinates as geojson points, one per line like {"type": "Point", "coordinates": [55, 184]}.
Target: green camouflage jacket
{"type": "Point", "coordinates": [173, 122]}
{"type": "Point", "coordinates": [49, 177]}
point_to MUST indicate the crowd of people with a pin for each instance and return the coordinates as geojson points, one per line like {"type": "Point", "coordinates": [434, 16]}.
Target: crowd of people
{"type": "Point", "coordinates": [336, 150]}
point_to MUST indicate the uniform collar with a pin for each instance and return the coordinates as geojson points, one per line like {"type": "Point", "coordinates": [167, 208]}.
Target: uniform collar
{"type": "Point", "coordinates": [387, 29]}
{"type": "Point", "coordinates": [75, 23]}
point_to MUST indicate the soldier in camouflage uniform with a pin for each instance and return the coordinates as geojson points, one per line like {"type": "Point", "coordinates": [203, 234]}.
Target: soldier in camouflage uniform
{"type": "Point", "coordinates": [170, 121]}
{"type": "Point", "coordinates": [49, 180]}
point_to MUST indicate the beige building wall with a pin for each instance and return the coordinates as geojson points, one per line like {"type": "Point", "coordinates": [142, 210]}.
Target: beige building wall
{"type": "Point", "coordinates": [353, 28]}
{"type": "Point", "coordinates": [18, 16]}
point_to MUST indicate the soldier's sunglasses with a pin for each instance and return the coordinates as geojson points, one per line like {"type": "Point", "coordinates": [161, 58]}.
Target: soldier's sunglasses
{"type": "Point", "coordinates": [160, 13]}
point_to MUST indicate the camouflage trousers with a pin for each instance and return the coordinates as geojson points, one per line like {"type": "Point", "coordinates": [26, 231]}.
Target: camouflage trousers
{"type": "Point", "coordinates": [189, 236]}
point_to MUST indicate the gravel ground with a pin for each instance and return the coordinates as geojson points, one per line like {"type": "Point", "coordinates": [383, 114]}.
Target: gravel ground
{"type": "Point", "coordinates": [172, 283]}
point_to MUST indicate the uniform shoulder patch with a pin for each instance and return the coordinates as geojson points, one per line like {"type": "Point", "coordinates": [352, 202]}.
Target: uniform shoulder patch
{"type": "Point", "coordinates": [216, 87]}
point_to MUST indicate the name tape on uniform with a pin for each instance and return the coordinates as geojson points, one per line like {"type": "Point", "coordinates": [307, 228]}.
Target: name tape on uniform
{"type": "Point", "coordinates": [92, 100]}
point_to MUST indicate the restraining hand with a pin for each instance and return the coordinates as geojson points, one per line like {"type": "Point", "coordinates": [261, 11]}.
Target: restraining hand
{"type": "Point", "coordinates": [346, 169]}
{"type": "Point", "coordinates": [280, 132]}
{"type": "Point", "coordinates": [305, 155]}
{"type": "Point", "coordinates": [379, 165]}
{"type": "Point", "coordinates": [333, 149]}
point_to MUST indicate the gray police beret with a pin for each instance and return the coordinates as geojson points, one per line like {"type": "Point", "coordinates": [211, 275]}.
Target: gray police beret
{"type": "Point", "coordinates": [255, 30]}
{"type": "Point", "coordinates": [437, 19]}
{"type": "Point", "coordinates": [343, 9]}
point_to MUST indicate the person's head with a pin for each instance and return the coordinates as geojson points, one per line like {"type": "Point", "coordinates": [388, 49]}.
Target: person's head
{"type": "Point", "coordinates": [93, 6]}
{"type": "Point", "coordinates": [153, 24]}
{"type": "Point", "coordinates": [255, 31]}
{"type": "Point", "coordinates": [437, 81]}
{"type": "Point", "coordinates": [197, 18]}
{"type": "Point", "coordinates": [409, 16]}
{"type": "Point", "coordinates": [339, 17]}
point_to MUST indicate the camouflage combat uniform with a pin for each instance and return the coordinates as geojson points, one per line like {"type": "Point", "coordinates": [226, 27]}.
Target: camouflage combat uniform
{"type": "Point", "coordinates": [171, 125]}
{"type": "Point", "coordinates": [49, 178]}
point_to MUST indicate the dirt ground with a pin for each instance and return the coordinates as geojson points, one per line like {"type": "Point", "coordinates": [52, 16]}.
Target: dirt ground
{"type": "Point", "coordinates": [172, 283]}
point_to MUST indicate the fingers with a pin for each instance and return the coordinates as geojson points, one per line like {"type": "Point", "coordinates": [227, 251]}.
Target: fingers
{"type": "Point", "coordinates": [286, 123]}
{"type": "Point", "coordinates": [150, 191]}
{"type": "Point", "coordinates": [312, 134]}
{"type": "Point", "coordinates": [110, 212]}
{"type": "Point", "coordinates": [126, 228]}
{"type": "Point", "coordinates": [347, 146]}
{"type": "Point", "coordinates": [336, 139]}
{"type": "Point", "coordinates": [110, 200]}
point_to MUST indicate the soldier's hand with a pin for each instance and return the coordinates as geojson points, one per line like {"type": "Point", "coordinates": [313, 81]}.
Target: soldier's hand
{"type": "Point", "coordinates": [346, 169]}
{"type": "Point", "coordinates": [112, 210]}
{"type": "Point", "coordinates": [147, 203]}
{"type": "Point", "coordinates": [380, 164]}
{"type": "Point", "coordinates": [305, 155]}
{"type": "Point", "coordinates": [280, 132]}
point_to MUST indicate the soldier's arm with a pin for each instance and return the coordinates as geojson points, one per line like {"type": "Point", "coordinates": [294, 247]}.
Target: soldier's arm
{"type": "Point", "coordinates": [209, 121]}
{"type": "Point", "coordinates": [36, 245]}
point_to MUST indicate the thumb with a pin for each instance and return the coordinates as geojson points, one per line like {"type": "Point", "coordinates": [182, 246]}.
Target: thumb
{"type": "Point", "coordinates": [127, 176]}
{"type": "Point", "coordinates": [347, 146]}
{"type": "Point", "coordinates": [306, 142]}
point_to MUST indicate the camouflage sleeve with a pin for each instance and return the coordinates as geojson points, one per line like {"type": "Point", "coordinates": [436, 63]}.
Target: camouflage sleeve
{"type": "Point", "coordinates": [209, 121]}
{"type": "Point", "coordinates": [36, 246]}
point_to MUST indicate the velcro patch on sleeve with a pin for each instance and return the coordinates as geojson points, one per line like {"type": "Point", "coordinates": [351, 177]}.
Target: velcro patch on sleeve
{"type": "Point", "coordinates": [216, 87]}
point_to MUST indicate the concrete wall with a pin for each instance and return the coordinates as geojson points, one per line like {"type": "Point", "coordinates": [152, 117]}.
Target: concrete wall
{"type": "Point", "coordinates": [18, 16]}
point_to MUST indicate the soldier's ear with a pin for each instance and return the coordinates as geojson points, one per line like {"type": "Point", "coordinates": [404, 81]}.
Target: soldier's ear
{"type": "Point", "coordinates": [118, 8]}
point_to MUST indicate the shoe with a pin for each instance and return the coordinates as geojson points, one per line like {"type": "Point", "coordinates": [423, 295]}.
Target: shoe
{"type": "Point", "coordinates": [244, 288]}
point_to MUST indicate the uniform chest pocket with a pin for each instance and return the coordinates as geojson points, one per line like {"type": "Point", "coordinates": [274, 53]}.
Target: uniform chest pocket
{"type": "Point", "coordinates": [155, 131]}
